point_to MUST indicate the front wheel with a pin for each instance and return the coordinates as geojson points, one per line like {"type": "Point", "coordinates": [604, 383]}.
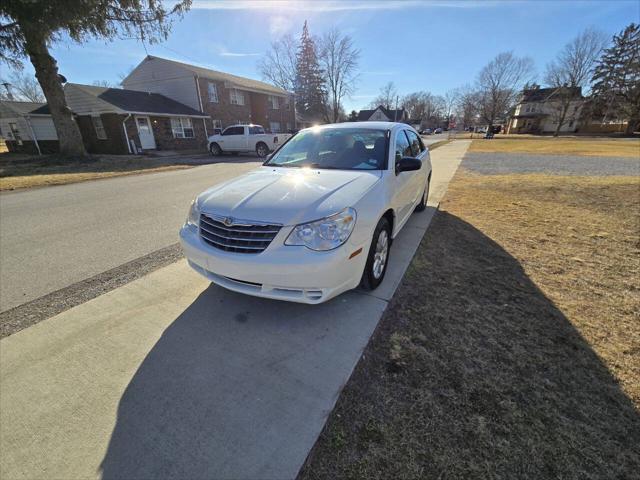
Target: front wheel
{"type": "Point", "coordinates": [215, 150]}
{"type": "Point", "coordinates": [262, 150]}
{"type": "Point", "coordinates": [376, 265]}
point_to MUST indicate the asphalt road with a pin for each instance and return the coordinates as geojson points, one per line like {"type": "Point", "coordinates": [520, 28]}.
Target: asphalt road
{"type": "Point", "coordinates": [53, 237]}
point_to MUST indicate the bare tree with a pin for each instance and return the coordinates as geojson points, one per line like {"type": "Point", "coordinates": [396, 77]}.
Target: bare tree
{"type": "Point", "coordinates": [278, 65]}
{"type": "Point", "coordinates": [449, 101]}
{"type": "Point", "coordinates": [387, 97]}
{"type": "Point", "coordinates": [416, 105]}
{"type": "Point", "coordinates": [339, 61]}
{"type": "Point", "coordinates": [22, 87]}
{"type": "Point", "coordinates": [125, 74]}
{"type": "Point", "coordinates": [467, 106]}
{"type": "Point", "coordinates": [103, 83]}
{"type": "Point", "coordinates": [499, 83]}
{"type": "Point", "coordinates": [571, 70]}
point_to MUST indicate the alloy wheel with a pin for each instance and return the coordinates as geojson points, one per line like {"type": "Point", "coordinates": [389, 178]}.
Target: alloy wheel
{"type": "Point", "coordinates": [380, 255]}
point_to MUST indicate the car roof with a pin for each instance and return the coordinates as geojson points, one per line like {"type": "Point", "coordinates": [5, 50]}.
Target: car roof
{"type": "Point", "coordinates": [365, 125]}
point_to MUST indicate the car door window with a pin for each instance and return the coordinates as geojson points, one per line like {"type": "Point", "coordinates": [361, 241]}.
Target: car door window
{"type": "Point", "coordinates": [233, 131]}
{"type": "Point", "coordinates": [417, 147]}
{"type": "Point", "coordinates": [403, 147]}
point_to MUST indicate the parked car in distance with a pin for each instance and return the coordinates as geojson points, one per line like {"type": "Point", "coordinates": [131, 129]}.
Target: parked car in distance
{"type": "Point", "coordinates": [245, 138]}
{"type": "Point", "coordinates": [426, 131]}
{"type": "Point", "coordinates": [437, 131]}
{"type": "Point", "coordinates": [317, 218]}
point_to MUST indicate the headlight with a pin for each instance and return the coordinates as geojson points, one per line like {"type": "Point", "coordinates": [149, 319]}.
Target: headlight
{"type": "Point", "coordinates": [194, 214]}
{"type": "Point", "coordinates": [324, 234]}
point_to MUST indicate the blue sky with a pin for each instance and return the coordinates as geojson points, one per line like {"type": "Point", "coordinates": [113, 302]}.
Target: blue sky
{"type": "Point", "coordinates": [419, 45]}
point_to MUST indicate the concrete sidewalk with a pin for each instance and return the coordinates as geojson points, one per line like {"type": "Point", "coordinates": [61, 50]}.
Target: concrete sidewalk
{"type": "Point", "coordinates": [170, 377]}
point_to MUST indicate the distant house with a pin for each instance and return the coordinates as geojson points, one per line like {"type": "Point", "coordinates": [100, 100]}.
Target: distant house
{"type": "Point", "coordinates": [227, 99]}
{"type": "Point", "coordinates": [537, 110]}
{"type": "Point", "coordinates": [382, 114]}
{"type": "Point", "coordinates": [27, 127]}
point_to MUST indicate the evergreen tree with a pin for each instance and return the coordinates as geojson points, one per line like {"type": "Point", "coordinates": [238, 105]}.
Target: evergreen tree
{"type": "Point", "coordinates": [309, 88]}
{"type": "Point", "coordinates": [616, 79]}
{"type": "Point", "coordinates": [31, 28]}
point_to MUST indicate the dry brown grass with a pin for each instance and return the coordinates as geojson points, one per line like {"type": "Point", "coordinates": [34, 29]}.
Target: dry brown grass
{"type": "Point", "coordinates": [512, 347]}
{"type": "Point", "coordinates": [578, 239]}
{"type": "Point", "coordinates": [24, 172]}
{"type": "Point", "coordinates": [623, 147]}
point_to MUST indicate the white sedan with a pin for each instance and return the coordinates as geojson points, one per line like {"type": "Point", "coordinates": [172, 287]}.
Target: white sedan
{"type": "Point", "coordinates": [317, 218]}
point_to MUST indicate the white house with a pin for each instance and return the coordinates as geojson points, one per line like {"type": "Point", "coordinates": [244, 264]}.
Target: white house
{"type": "Point", "coordinates": [27, 127]}
{"type": "Point", "coordinates": [539, 109]}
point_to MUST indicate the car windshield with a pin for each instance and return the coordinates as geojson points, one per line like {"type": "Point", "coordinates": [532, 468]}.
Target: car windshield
{"type": "Point", "coordinates": [334, 148]}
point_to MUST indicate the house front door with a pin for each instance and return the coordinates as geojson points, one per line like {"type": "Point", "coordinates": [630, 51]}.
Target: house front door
{"type": "Point", "coordinates": [147, 141]}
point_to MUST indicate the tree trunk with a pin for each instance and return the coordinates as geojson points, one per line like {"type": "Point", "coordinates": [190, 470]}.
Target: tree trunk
{"type": "Point", "coordinates": [563, 116]}
{"type": "Point", "coordinates": [69, 136]}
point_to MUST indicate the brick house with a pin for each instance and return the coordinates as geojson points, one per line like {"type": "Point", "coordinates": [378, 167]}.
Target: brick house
{"type": "Point", "coordinates": [227, 99]}
{"type": "Point", "coordinates": [111, 121]}
{"type": "Point", "coordinates": [116, 120]}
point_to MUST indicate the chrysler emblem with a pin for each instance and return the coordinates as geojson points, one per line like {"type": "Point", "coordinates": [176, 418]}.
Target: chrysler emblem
{"type": "Point", "coordinates": [228, 221]}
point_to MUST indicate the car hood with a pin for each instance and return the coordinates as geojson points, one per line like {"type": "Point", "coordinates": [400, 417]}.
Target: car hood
{"type": "Point", "coordinates": [288, 196]}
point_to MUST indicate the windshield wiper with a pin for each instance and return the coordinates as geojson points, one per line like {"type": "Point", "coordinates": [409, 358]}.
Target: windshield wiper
{"type": "Point", "coordinates": [323, 167]}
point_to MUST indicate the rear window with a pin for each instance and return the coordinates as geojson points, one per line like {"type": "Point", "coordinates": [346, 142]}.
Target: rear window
{"type": "Point", "coordinates": [257, 130]}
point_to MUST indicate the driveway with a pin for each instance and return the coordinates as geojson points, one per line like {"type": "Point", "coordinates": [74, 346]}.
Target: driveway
{"type": "Point", "coordinates": [171, 377]}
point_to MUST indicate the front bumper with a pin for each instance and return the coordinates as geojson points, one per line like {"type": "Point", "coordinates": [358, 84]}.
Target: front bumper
{"type": "Point", "coordinates": [292, 273]}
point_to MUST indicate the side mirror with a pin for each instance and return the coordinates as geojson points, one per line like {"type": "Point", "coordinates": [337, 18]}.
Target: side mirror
{"type": "Point", "coordinates": [408, 164]}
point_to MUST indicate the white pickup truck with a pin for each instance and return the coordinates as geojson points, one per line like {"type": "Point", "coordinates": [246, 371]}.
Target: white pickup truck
{"type": "Point", "coordinates": [245, 138]}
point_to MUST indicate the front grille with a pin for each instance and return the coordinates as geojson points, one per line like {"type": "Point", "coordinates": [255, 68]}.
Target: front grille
{"type": "Point", "coordinates": [239, 237]}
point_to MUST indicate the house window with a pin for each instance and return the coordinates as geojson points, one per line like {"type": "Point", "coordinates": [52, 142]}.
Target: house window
{"type": "Point", "coordinates": [15, 132]}
{"type": "Point", "coordinates": [274, 102]}
{"type": "Point", "coordinates": [182, 127]}
{"type": "Point", "coordinates": [237, 97]}
{"type": "Point", "coordinates": [275, 127]}
{"type": "Point", "coordinates": [217, 126]}
{"type": "Point", "coordinates": [98, 126]}
{"type": "Point", "coordinates": [213, 92]}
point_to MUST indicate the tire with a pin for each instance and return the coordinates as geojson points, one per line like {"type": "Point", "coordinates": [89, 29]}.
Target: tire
{"type": "Point", "coordinates": [262, 150]}
{"type": "Point", "coordinates": [425, 197]}
{"type": "Point", "coordinates": [215, 149]}
{"type": "Point", "coordinates": [381, 242]}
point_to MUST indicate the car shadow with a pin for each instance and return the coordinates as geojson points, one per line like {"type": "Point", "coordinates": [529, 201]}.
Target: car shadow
{"type": "Point", "coordinates": [239, 387]}
{"type": "Point", "coordinates": [474, 373]}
